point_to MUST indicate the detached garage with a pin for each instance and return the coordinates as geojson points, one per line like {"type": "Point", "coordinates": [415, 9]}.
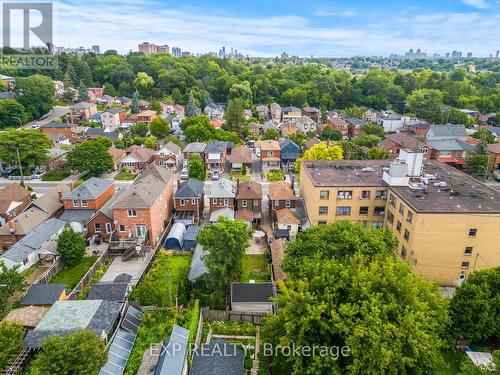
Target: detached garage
{"type": "Point", "coordinates": [175, 237]}
{"type": "Point", "coordinates": [252, 297]}
{"type": "Point", "coordinates": [190, 237]}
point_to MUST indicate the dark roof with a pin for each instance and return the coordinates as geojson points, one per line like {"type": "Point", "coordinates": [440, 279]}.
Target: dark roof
{"type": "Point", "coordinates": [62, 125]}
{"type": "Point", "coordinates": [223, 359]}
{"type": "Point", "coordinates": [99, 132]}
{"type": "Point", "coordinates": [191, 233]}
{"type": "Point", "coordinates": [215, 147]}
{"type": "Point", "coordinates": [108, 291]}
{"type": "Point", "coordinates": [43, 294]}
{"type": "Point", "coordinates": [251, 292]}
{"type": "Point", "coordinates": [77, 215]}
{"type": "Point", "coordinates": [402, 140]}
{"type": "Point", "coordinates": [190, 189]}
{"type": "Point", "coordinates": [289, 149]}
{"type": "Point", "coordinates": [90, 189]}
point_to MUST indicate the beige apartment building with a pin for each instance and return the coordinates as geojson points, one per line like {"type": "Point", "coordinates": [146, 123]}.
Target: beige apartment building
{"type": "Point", "coordinates": [445, 221]}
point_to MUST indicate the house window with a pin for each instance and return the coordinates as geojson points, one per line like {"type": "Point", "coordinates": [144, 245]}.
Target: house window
{"type": "Point", "coordinates": [344, 194]}
{"type": "Point", "coordinates": [390, 217]}
{"type": "Point", "coordinates": [97, 227]}
{"type": "Point", "coordinates": [226, 202]}
{"type": "Point", "coordinates": [424, 150]}
{"type": "Point", "coordinates": [25, 261]}
{"type": "Point", "coordinates": [465, 265]}
{"type": "Point", "coordinates": [122, 228]}
{"type": "Point", "coordinates": [403, 252]}
{"type": "Point", "coordinates": [323, 210]}
{"type": "Point", "coordinates": [377, 224]}
{"type": "Point", "coordinates": [321, 222]}
{"type": "Point", "coordinates": [343, 210]}
{"type": "Point", "coordinates": [468, 250]}
{"type": "Point", "coordinates": [269, 153]}
{"type": "Point", "coordinates": [214, 200]}
{"type": "Point", "coordinates": [409, 217]}
{"type": "Point", "coordinates": [379, 211]}
{"type": "Point", "coordinates": [85, 203]}
{"type": "Point", "coordinates": [398, 226]}
{"type": "Point", "coordinates": [365, 194]}
{"type": "Point", "coordinates": [288, 203]}
{"type": "Point", "coordinates": [76, 203]}
{"type": "Point", "coordinates": [472, 232]}
{"type": "Point", "coordinates": [324, 194]}
{"type": "Point", "coordinates": [401, 208]}
{"type": "Point", "coordinates": [392, 200]}
{"type": "Point", "coordinates": [363, 210]}
{"type": "Point", "coordinates": [256, 203]}
{"type": "Point", "coordinates": [244, 203]}
{"type": "Point", "coordinates": [381, 194]}
{"type": "Point", "coordinates": [108, 227]}
{"type": "Point", "coordinates": [407, 235]}
{"type": "Point", "coordinates": [276, 203]}
{"type": "Point", "coordinates": [182, 202]}
{"type": "Point", "coordinates": [193, 202]}
{"type": "Point", "coordinates": [131, 212]}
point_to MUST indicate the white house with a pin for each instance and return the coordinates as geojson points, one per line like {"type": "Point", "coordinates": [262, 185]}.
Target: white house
{"type": "Point", "coordinates": [111, 119]}
{"type": "Point", "coordinates": [214, 111]}
{"type": "Point", "coordinates": [169, 156]}
{"type": "Point", "coordinates": [305, 124]}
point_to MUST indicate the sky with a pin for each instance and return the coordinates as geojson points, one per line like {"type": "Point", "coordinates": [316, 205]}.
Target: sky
{"type": "Point", "coordinates": [320, 28]}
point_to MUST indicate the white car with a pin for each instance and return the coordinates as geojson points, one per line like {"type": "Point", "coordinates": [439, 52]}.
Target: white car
{"type": "Point", "coordinates": [36, 126]}
{"type": "Point", "coordinates": [184, 174]}
{"type": "Point", "coordinates": [215, 175]}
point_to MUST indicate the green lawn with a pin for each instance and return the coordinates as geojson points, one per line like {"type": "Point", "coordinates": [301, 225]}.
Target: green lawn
{"type": "Point", "coordinates": [255, 267]}
{"type": "Point", "coordinates": [70, 276]}
{"type": "Point", "coordinates": [55, 176]}
{"type": "Point", "coordinates": [125, 176]}
{"type": "Point", "coordinates": [237, 175]}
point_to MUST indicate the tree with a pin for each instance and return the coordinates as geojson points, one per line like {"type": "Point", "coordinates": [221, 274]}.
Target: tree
{"type": "Point", "coordinates": [330, 134]}
{"type": "Point", "coordinates": [478, 160]}
{"type": "Point", "coordinates": [354, 111]}
{"type": "Point", "coordinates": [144, 83]}
{"type": "Point", "coordinates": [83, 94]}
{"type": "Point", "coordinates": [92, 157]}
{"type": "Point", "coordinates": [377, 153]}
{"type": "Point", "coordinates": [81, 353]}
{"type": "Point", "coordinates": [427, 104]}
{"type": "Point", "coordinates": [206, 100]}
{"type": "Point", "coordinates": [191, 109]}
{"type": "Point", "coordinates": [485, 135]}
{"type": "Point", "coordinates": [156, 106]}
{"type": "Point", "coordinates": [321, 151]}
{"type": "Point", "coordinates": [36, 93]}
{"type": "Point", "coordinates": [389, 320]}
{"type": "Point", "coordinates": [373, 129]}
{"type": "Point", "coordinates": [12, 114]}
{"type": "Point", "coordinates": [159, 127]}
{"type": "Point", "coordinates": [71, 246]}
{"type": "Point", "coordinates": [31, 144]}
{"type": "Point", "coordinates": [13, 281]}
{"type": "Point", "coordinates": [271, 134]}
{"type": "Point", "coordinates": [475, 306]}
{"type": "Point", "coordinates": [234, 115]}
{"type": "Point", "coordinates": [11, 339]}
{"type": "Point", "coordinates": [140, 129]}
{"type": "Point", "coordinates": [241, 91]}
{"type": "Point", "coordinates": [177, 96]}
{"type": "Point", "coordinates": [151, 142]}
{"type": "Point", "coordinates": [134, 105]}
{"type": "Point", "coordinates": [196, 168]}
{"type": "Point", "coordinates": [367, 140]}
{"type": "Point", "coordinates": [199, 130]}
{"type": "Point", "coordinates": [226, 242]}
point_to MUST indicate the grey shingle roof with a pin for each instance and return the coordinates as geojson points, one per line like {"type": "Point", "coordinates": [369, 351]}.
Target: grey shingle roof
{"type": "Point", "coordinates": [77, 215]}
{"type": "Point", "coordinates": [90, 189]}
{"type": "Point", "coordinates": [58, 125]}
{"type": "Point", "coordinates": [450, 145]}
{"type": "Point", "coordinates": [50, 202]}
{"type": "Point", "coordinates": [108, 291]}
{"type": "Point", "coordinates": [173, 147]}
{"type": "Point", "coordinates": [106, 207]}
{"type": "Point", "coordinates": [251, 292]}
{"type": "Point", "coordinates": [190, 189]}
{"type": "Point", "coordinates": [195, 147]}
{"type": "Point", "coordinates": [447, 130]}
{"type": "Point", "coordinates": [215, 147]}
{"type": "Point", "coordinates": [142, 194]}
{"type": "Point", "coordinates": [223, 359]}
{"type": "Point", "coordinates": [222, 189]}
{"type": "Point", "coordinates": [43, 294]}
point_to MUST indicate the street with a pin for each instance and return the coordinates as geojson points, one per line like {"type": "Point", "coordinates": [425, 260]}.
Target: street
{"type": "Point", "coordinates": [57, 112]}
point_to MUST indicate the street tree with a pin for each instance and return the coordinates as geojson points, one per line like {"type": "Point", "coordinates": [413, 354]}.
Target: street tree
{"type": "Point", "coordinates": [91, 156]}
{"type": "Point", "coordinates": [12, 114]}
{"type": "Point", "coordinates": [31, 144]}
{"type": "Point", "coordinates": [139, 129]}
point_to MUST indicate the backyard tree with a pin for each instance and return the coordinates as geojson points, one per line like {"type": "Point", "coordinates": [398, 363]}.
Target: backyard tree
{"type": "Point", "coordinates": [202, 130]}
{"type": "Point", "coordinates": [32, 146]}
{"type": "Point", "coordinates": [71, 246]}
{"type": "Point", "coordinates": [36, 93]}
{"type": "Point", "coordinates": [134, 105]}
{"type": "Point", "coordinates": [159, 127]}
{"type": "Point", "coordinates": [234, 115]}
{"type": "Point", "coordinates": [226, 242]}
{"type": "Point", "coordinates": [206, 100]}
{"type": "Point", "coordinates": [80, 353]}
{"type": "Point", "coordinates": [91, 156]}
{"type": "Point", "coordinates": [11, 281]}
{"type": "Point", "coordinates": [82, 92]}
{"type": "Point", "coordinates": [475, 307]}
{"type": "Point", "coordinates": [321, 151]}
{"type": "Point", "coordinates": [196, 168]}
{"type": "Point", "coordinates": [191, 109]}
{"type": "Point", "coordinates": [11, 338]}
{"type": "Point", "coordinates": [271, 134]}
{"type": "Point", "coordinates": [140, 129]}
{"type": "Point", "coordinates": [427, 104]}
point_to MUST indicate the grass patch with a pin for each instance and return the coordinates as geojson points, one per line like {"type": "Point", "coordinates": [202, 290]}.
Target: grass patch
{"type": "Point", "coordinates": [125, 176]}
{"type": "Point", "coordinates": [237, 175]}
{"type": "Point", "coordinates": [255, 267]}
{"type": "Point", "coordinates": [97, 276]}
{"type": "Point", "coordinates": [70, 276]}
{"type": "Point", "coordinates": [55, 176]}
{"type": "Point", "coordinates": [166, 280]}
{"type": "Point", "coordinates": [231, 328]}
{"type": "Point", "coordinates": [275, 175]}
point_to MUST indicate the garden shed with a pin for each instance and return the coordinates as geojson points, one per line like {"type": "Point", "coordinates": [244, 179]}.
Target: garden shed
{"type": "Point", "coordinates": [190, 237]}
{"type": "Point", "coordinates": [175, 237]}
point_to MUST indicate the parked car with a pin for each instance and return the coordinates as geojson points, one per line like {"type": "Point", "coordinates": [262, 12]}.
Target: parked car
{"type": "Point", "coordinates": [184, 174]}
{"type": "Point", "coordinates": [38, 174]}
{"type": "Point", "coordinates": [215, 175]}
{"type": "Point", "coordinates": [6, 172]}
{"type": "Point", "coordinates": [35, 126]}
{"type": "Point", "coordinates": [496, 174]}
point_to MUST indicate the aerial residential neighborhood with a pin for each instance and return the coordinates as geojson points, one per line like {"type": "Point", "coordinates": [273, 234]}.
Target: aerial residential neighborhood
{"type": "Point", "coordinates": [196, 209]}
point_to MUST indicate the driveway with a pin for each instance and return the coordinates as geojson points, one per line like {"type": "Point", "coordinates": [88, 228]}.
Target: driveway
{"type": "Point", "coordinates": [57, 111]}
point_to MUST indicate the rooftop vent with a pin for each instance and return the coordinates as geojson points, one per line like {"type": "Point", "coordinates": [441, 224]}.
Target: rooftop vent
{"type": "Point", "coordinates": [368, 169]}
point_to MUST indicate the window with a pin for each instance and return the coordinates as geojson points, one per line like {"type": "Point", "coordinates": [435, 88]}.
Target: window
{"type": "Point", "coordinates": [403, 252]}
{"type": "Point", "coordinates": [424, 150]}
{"type": "Point", "coordinates": [182, 202]}
{"type": "Point", "coordinates": [269, 153]}
{"type": "Point", "coordinates": [76, 203]}
{"type": "Point", "coordinates": [324, 194]}
{"type": "Point", "coordinates": [465, 265]}
{"type": "Point", "coordinates": [321, 222]}
{"type": "Point", "coordinates": [288, 203]}
{"type": "Point", "coordinates": [377, 224]}
{"type": "Point", "coordinates": [256, 203]}
{"type": "Point", "coordinates": [390, 217]}
{"type": "Point", "coordinates": [398, 226]}
{"type": "Point", "coordinates": [364, 223]}
{"type": "Point", "coordinates": [276, 203]}
{"type": "Point", "coordinates": [472, 232]}
{"type": "Point", "coordinates": [244, 203]}
{"type": "Point", "coordinates": [365, 194]}
{"type": "Point", "coordinates": [344, 194]}
{"type": "Point", "coordinates": [85, 203]}
{"type": "Point", "coordinates": [25, 261]}
{"type": "Point", "coordinates": [363, 210]}
{"type": "Point", "coordinates": [409, 217]}
{"type": "Point", "coordinates": [97, 227]}
{"type": "Point", "coordinates": [323, 210]}
{"type": "Point", "coordinates": [122, 228]}
{"type": "Point", "coordinates": [109, 229]}
{"type": "Point", "coordinates": [401, 208]}
{"type": "Point", "coordinates": [392, 200]}
{"type": "Point", "coordinates": [379, 211]}
{"type": "Point", "coordinates": [407, 235]}
{"type": "Point", "coordinates": [131, 212]}
{"type": "Point", "coordinates": [468, 250]}
{"type": "Point", "coordinates": [214, 200]}
{"type": "Point", "coordinates": [381, 194]}
{"type": "Point", "coordinates": [193, 202]}
{"type": "Point", "coordinates": [226, 202]}
{"type": "Point", "coordinates": [343, 210]}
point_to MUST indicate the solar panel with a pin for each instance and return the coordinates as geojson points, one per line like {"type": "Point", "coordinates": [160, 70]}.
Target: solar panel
{"type": "Point", "coordinates": [132, 320]}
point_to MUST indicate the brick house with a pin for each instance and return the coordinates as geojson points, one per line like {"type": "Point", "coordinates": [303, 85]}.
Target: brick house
{"type": "Point", "coordinates": [222, 195]}
{"type": "Point", "coordinates": [396, 141]}
{"type": "Point", "coordinates": [189, 202]}
{"type": "Point", "coordinates": [54, 130]}
{"type": "Point", "coordinates": [241, 156]}
{"type": "Point", "coordinates": [13, 200]}
{"type": "Point", "coordinates": [169, 156]}
{"type": "Point", "coordinates": [269, 152]}
{"type": "Point", "coordinates": [215, 155]}
{"type": "Point", "coordinates": [288, 128]}
{"type": "Point", "coordinates": [281, 195]}
{"type": "Point", "coordinates": [494, 151]}
{"type": "Point", "coordinates": [143, 210]}
{"type": "Point", "coordinates": [194, 148]}
{"type": "Point", "coordinates": [102, 221]}
{"type": "Point", "coordinates": [138, 158]}
{"type": "Point", "coordinates": [313, 113]}
{"type": "Point", "coordinates": [82, 111]}
{"type": "Point", "coordinates": [339, 124]}
{"type": "Point", "coordinates": [249, 202]}
{"type": "Point", "coordinates": [146, 116]}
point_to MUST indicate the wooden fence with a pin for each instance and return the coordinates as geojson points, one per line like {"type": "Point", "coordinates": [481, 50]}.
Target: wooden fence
{"type": "Point", "coordinates": [85, 280]}
{"type": "Point", "coordinates": [50, 273]}
{"type": "Point", "coordinates": [222, 315]}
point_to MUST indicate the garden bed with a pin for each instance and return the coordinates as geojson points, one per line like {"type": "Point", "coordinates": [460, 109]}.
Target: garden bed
{"type": "Point", "coordinates": [275, 175]}
{"type": "Point", "coordinates": [71, 275]}
{"type": "Point", "coordinates": [255, 267]}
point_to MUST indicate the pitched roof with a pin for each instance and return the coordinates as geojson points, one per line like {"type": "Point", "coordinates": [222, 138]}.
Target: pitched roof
{"type": "Point", "coordinates": [106, 207]}
{"type": "Point", "coordinates": [195, 147]}
{"type": "Point", "coordinates": [244, 214]}
{"type": "Point", "coordinates": [155, 170]}
{"type": "Point", "coordinates": [142, 194]}
{"type": "Point", "coordinates": [28, 316]}
{"type": "Point", "coordinates": [251, 292]}
{"type": "Point", "coordinates": [222, 189]}
{"type": "Point", "coordinates": [147, 113]}
{"type": "Point", "coordinates": [57, 125]}
{"type": "Point", "coordinates": [241, 154]}
{"type": "Point", "coordinates": [249, 190]}
{"type": "Point", "coordinates": [43, 294]}
{"type": "Point", "coordinates": [449, 145]}
{"type": "Point", "coordinates": [223, 359]}
{"type": "Point", "coordinates": [190, 189]}
{"type": "Point", "coordinates": [447, 130]}
{"type": "Point", "coordinates": [311, 142]}
{"type": "Point", "coordinates": [215, 147]}
{"type": "Point", "coordinates": [494, 148]}
{"type": "Point", "coordinates": [279, 190]}
{"type": "Point", "coordinates": [278, 248]}
{"type": "Point", "coordinates": [13, 192]}
{"type": "Point", "coordinates": [116, 153]}
{"type": "Point", "coordinates": [25, 222]}
{"type": "Point", "coordinates": [140, 154]}
{"type": "Point", "coordinates": [90, 189]}
{"type": "Point", "coordinates": [287, 216]}
{"type": "Point", "coordinates": [401, 139]}
{"type": "Point", "coordinates": [108, 291]}
{"type": "Point", "coordinates": [289, 148]}
{"type": "Point", "coordinates": [50, 202]}
{"type": "Point", "coordinates": [81, 105]}
{"type": "Point", "coordinates": [172, 147]}
{"type": "Point", "coordinates": [311, 109]}
{"type": "Point", "coordinates": [268, 145]}
{"type": "Point", "coordinates": [291, 109]}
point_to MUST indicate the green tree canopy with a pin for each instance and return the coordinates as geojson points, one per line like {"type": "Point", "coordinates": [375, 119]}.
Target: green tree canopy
{"type": "Point", "coordinates": [271, 134]}
{"type": "Point", "coordinates": [82, 92]}
{"type": "Point", "coordinates": [36, 93]}
{"type": "Point", "coordinates": [159, 127]}
{"type": "Point", "coordinates": [31, 144]}
{"type": "Point", "coordinates": [200, 130]}
{"type": "Point", "coordinates": [427, 104]}
{"type": "Point", "coordinates": [321, 151]}
{"type": "Point", "coordinates": [139, 129]}
{"type": "Point", "coordinates": [91, 156]}
{"type": "Point", "coordinates": [71, 246]}
{"type": "Point", "coordinates": [11, 339]}
{"type": "Point", "coordinates": [196, 167]}
{"type": "Point", "coordinates": [373, 129]}
{"type": "Point", "coordinates": [11, 281]}
{"type": "Point", "coordinates": [191, 109]}
{"type": "Point", "coordinates": [234, 115]}
{"type": "Point", "coordinates": [12, 114]}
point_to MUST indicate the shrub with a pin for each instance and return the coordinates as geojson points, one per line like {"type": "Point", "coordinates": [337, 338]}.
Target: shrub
{"type": "Point", "coordinates": [71, 246]}
{"type": "Point", "coordinates": [275, 175]}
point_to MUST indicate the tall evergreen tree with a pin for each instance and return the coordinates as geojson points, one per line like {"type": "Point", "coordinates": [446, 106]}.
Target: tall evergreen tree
{"type": "Point", "coordinates": [191, 109]}
{"type": "Point", "coordinates": [206, 100]}
{"type": "Point", "coordinates": [134, 106]}
{"type": "Point", "coordinates": [83, 94]}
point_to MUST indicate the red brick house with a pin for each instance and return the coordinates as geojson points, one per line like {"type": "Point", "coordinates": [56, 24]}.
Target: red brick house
{"type": "Point", "coordinates": [13, 200]}
{"type": "Point", "coordinates": [281, 195]}
{"type": "Point", "coordinates": [138, 158]}
{"type": "Point", "coordinates": [215, 155]}
{"type": "Point", "coordinates": [269, 152]}
{"type": "Point", "coordinates": [396, 141]}
{"type": "Point", "coordinates": [249, 202]}
{"type": "Point", "coordinates": [146, 116]}
{"type": "Point", "coordinates": [54, 130]}
{"type": "Point", "coordinates": [189, 202]}
{"type": "Point", "coordinates": [313, 113]}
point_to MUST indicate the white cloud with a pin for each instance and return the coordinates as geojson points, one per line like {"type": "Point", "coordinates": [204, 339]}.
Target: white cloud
{"type": "Point", "coordinates": [479, 4]}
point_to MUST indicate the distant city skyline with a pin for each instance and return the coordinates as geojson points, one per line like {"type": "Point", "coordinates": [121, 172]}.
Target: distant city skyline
{"type": "Point", "coordinates": [266, 29]}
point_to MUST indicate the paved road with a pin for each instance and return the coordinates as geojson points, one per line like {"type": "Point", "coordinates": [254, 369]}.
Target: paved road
{"type": "Point", "coordinates": [57, 111]}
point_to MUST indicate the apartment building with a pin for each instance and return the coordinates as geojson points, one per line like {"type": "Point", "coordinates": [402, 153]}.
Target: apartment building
{"type": "Point", "coordinates": [445, 221]}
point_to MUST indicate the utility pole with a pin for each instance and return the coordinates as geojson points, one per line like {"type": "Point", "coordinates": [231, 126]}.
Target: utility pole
{"type": "Point", "coordinates": [19, 161]}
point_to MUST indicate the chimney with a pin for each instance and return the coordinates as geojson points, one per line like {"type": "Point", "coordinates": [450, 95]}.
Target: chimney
{"type": "Point", "coordinates": [292, 180]}
{"type": "Point", "coordinates": [12, 226]}
{"type": "Point", "coordinates": [60, 195]}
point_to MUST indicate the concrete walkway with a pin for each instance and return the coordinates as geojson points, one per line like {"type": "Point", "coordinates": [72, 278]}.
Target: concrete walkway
{"type": "Point", "coordinates": [134, 267]}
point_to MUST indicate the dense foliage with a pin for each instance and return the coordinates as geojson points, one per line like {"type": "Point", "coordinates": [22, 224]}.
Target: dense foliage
{"type": "Point", "coordinates": [92, 157]}
{"type": "Point", "coordinates": [196, 168]}
{"type": "Point", "coordinates": [32, 146]}
{"type": "Point", "coordinates": [11, 338]}
{"type": "Point", "coordinates": [71, 246]}
{"type": "Point", "coordinates": [11, 281]}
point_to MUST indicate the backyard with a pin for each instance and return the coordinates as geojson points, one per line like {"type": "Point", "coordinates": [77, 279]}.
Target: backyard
{"type": "Point", "coordinates": [55, 175]}
{"type": "Point", "coordinates": [70, 276]}
{"type": "Point", "coordinates": [125, 176]}
{"type": "Point", "coordinates": [255, 267]}
{"type": "Point", "coordinates": [238, 176]}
